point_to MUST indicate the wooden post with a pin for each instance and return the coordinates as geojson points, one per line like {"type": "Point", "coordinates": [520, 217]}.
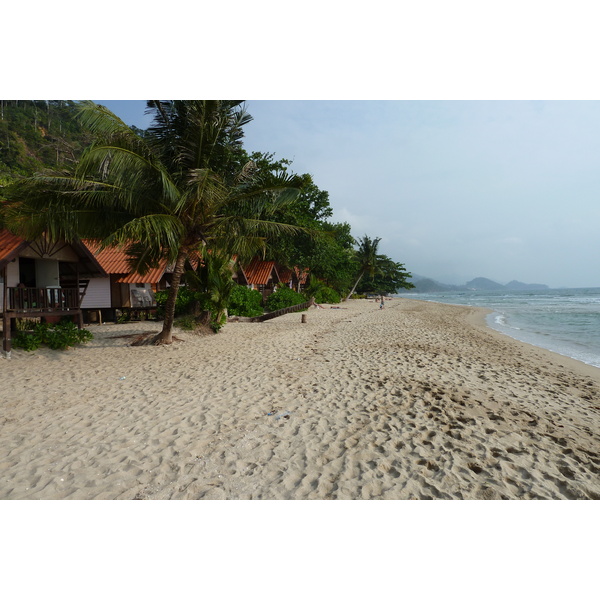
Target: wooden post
{"type": "Point", "coordinates": [79, 298]}
{"type": "Point", "coordinates": [304, 318]}
{"type": "Point", "coordinates": [6, 341]}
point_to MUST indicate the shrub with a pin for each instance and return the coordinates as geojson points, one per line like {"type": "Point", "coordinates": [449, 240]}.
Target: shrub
{"type": "Point", "coordinates": [327, 295]}
{"type": "Point", "coordinates": [26, 341]}
{"type": "Point", "coordinates": [245, 302]}
{"type": "Point", "coordinates": [322, 293]}
{"type": "Point", "coordinates": [282, 298]}
{"type": "Point", "coordinates": [186, 322]}
{"type": "Point", "coordinates": [58, 337]}
{"type": "Point", "coordinates": [186, 299]}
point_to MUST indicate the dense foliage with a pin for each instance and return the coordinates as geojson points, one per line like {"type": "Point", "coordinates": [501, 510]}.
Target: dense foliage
{"type": "Point", "coordinates": [187, 300]}
{"type": "Point", "coordinates": [282, 298]}
{"type": "Point", "coordinates": [322, 293]}
{"type": "Point", "coordinates": [59, 336]}
{"type": "Point", "coordinates": [183, 185]}
{"type": "Point", "coordinates": [389, 277]}
{"type": "Point", "coordinates": [164, 195]}
{"type": "Point", "coordinates": [37, 135]}
{"type": "Point", "coordinates": [245, 302]}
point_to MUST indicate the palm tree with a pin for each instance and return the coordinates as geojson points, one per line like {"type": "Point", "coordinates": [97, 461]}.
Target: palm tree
{"type": "Point", "coordinates": [213, 279]}
{"type": "Point", "coordinates": [162, 195]}
{"type": "Point", "coordinates": [367, 258]}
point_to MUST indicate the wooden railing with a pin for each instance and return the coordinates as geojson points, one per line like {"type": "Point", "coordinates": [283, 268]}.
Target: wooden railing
{"type": "Point", "coordinates": [42, 299]}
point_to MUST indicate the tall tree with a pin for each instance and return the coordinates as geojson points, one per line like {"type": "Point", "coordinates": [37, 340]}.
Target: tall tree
{"type": "Point", "coordinates": [390, 277]}
{"type": "Point", "coordinates": [366, 257]}
{"type": "Point", "coordinates": [182, 186]}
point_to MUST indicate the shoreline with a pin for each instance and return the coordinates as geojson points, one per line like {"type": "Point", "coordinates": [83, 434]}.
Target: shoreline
{"type": "Point", "coordinates": [490, 311]}
{"type": "Point", "coordinates": [419, 400]}
{"type": "Point", "coordinates": [583, 368]}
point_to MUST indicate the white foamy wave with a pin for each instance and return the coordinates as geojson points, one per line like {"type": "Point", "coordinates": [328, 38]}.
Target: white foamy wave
{"type": "Point", "coordinates": [500, 321]}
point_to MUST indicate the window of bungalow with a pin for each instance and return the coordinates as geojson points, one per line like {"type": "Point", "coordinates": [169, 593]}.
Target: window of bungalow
{"type": "Point", "coordinates": [27, 272]}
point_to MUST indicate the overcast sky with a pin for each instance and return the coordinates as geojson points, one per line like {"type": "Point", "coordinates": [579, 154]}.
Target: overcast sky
{"type": "Point", "coordinates": [454, 189]}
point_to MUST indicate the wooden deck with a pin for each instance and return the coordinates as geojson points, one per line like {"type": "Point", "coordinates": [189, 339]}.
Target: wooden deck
{"type": "Point", "coordinates": [49, 303]}
{"type": "Point", "coordinates": [42, 300]}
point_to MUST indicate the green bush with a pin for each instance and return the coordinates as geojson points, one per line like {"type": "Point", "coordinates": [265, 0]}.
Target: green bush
{"type": "Point", "coordinates": [327, 295]}
{"type": "Point", "coordinates": [58, 336]}
{"type": "Point", "coordinates": [27, 341]}
{"type": "Point", "coordinates": [322, 293]}
{"type": "Point", "coordinates": [282, 298]}
{"type": "Point", "coordinates": [186, 298]}
{"type": "Point", "coordinates": [245, 302]}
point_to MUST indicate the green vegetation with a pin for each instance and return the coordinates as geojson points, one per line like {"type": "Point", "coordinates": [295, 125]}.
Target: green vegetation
{"type": "Point", "coordinates": [182, 186]}
{"type": "Point", "coordinates": [389, 277]}
{"type": "Point", "coordinates": [183, 189]}
{"type": "Point", "coordinates": [187, 301]}
{"type": "Point", "coordinates": [37, 135]}
{"type": "Point", "coordinates": [322, 293]}
{"type": "Point", "coordinates": [282, 298]}
{"type": "Point", "coordinates": [245, 302]}
{"type": "Point", "coordinates": [59, 336]}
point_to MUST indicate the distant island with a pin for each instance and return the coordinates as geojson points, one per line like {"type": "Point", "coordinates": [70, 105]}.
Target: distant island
{"type": "Point", "coordinates": [425, 285]}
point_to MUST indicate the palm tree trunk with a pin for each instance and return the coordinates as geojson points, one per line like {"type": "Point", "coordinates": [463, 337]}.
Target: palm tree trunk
{"type": "Point", "coordinates": [166, 335]}
{"type": "Point", "coordinates": [357, 282]}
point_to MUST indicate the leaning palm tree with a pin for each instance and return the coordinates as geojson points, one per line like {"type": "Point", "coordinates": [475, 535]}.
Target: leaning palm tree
{"type": "Point", "coordinates": [162, 196]}
{"type": "Point", "coordinates": [366, 256]}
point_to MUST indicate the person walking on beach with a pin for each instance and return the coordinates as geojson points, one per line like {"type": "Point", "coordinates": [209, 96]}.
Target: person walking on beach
{"type": "Point", "coordinates": [381, 305]}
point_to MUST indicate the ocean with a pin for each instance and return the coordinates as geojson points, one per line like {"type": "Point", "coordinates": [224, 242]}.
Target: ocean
{"type": "Point", "coordinates": [566, 321]}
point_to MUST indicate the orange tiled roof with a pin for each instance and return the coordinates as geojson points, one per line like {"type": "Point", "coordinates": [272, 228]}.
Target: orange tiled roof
{"type": "Point", "coordinates": [258, 272]}
{"type": "Point", "coordinates": [301, 275]}
{"type": "Point", "coordinates": [285, 274]}
{"type": "Point", "coordinates": [152, 276]}
{"type": "Point", "coordinates": [114, 262]}
{"type": "Point", "coordinates": [10, 244]}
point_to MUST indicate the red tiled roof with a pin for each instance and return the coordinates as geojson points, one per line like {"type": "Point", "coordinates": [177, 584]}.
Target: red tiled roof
{"type": "Point", "coordinates": [114, 262]}
{"type": "Point", "coordinates": [152, 276]}
{"type": "Point", "coordinates": [301, 275]}
{"type": "Point", "coordinates": [10, 244]}
{"type": "Point", "coordinates": [285, 274]}
{"type": "Point", "coordinates": [258, 272]}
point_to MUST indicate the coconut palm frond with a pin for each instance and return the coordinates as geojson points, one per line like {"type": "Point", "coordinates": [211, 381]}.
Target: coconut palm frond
{"type": "Point", "coordinates": [161, 232]}
{"type": "Point", "coordinates": [102, 122]}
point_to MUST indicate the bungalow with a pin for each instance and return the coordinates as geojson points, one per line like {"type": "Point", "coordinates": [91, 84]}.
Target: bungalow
{"type": "Point", "coordinates": [262, 275]}
{"type": "Point", "coordinates": [294, 278]}
{"type": "Point", "coordinates": [44, 279]}
{"type": "Point", "coordinates": [121, 289]}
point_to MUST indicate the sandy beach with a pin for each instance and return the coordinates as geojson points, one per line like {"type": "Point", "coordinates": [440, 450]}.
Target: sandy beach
{"type": "Point", "coordinates": [416, 401]}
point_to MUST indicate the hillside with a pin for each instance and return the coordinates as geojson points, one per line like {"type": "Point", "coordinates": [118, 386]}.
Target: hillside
{"type": "Point", "coordinates": [38, 134]}
{"type": "Point", "coordinates": [482, 283]}
{"type": "Point", "coordinates": [425, 285]}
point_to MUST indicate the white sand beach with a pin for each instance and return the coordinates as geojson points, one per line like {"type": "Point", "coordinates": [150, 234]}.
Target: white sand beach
{"type": "Point", "coordinates": [416, 401]}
